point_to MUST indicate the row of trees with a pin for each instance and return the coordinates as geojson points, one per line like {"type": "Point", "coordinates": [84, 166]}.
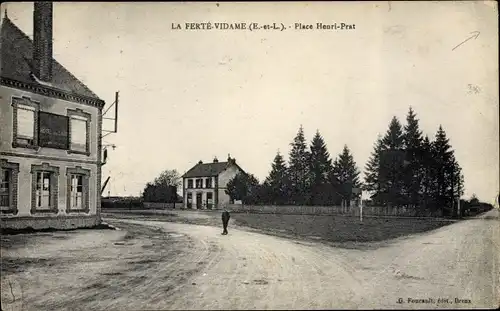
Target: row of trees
{"type": "Point", "coordinates": [405, 168]}
{"type": "Point", "coordinates": [309, 178]}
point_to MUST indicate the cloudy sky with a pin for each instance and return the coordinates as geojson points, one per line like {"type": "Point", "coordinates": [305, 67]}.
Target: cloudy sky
{"type": "Point", "coordinates": [190, 95]}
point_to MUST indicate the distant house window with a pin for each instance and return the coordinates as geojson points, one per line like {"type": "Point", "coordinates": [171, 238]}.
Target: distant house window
{"type": "Point", "coordinates": [25, 129]}
{"type": "Point", "coordinates": [8, 187]}
{"type": "Point", "coordinates": [210, 202]}
{"type": "Point", "coordinates": [208, 183]}
{"type": "Point", "coordinates": [199, 183]}
{"type": "Point", "coordinates": [190, 183]}
{"type": "Point", "coordinates": [79, 131]}
{"type": "Point", "coordinates": [78, 190]}
{"type": "Point", "coordinates": [45, 188]}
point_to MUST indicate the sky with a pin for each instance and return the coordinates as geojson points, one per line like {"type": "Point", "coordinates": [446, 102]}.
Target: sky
{"type": "Point", "coordinates": [190, 95]}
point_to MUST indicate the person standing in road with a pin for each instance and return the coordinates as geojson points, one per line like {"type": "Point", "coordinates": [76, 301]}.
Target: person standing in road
{"type": "Point", "coordinates": [225, 221]}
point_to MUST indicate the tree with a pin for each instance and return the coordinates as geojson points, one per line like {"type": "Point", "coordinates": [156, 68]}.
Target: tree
{"type": "Point", "coordinates": [298, 168]}
{"type": "Point", "coordinates": [443, 160]}
{"type": "Point", "coordinates": [320, 166]}
{"type": "Point", "coordinates": [168, 178]}
{"type": "Point", "coordinates": [428, 172]}
{"type": "Point", "coordinates": [346, 174]}
{"type": "Point", "coordinates": [392, 162]}
{"type": "Point", "coordinates": [277, 183]}
{"type": "Point", "coordinates": [412, 140]}
{"type": "Point", "coordinates": [243, 187]}
{"type": "Point", "coordinates": [372, 170]}
{"type": "Point", "coordinates": [164, 188]}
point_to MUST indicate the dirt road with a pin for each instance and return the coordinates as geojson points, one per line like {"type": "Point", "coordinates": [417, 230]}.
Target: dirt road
{"type": "Point", "coordinates": [254, 271]}
{"type": "Point", "coordinates": [162, 265]}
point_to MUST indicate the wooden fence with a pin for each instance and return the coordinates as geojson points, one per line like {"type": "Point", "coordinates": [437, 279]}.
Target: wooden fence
{"type": "Point", "coordinates": [331, 210]}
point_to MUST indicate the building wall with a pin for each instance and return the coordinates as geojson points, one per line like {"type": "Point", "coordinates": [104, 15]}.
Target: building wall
{"type": "Point", "coordinates": [218, 188]}
{"type": "Point", "coordinates": [55, 157]}
{"type": "Point", "coordinates": [224, 178]}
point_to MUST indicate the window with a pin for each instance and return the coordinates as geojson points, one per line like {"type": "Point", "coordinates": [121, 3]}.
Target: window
{"type": "Point", "coordinates": [208, 183]}
{"type": "Point", "coordinates": [79, 124]}
{"type": "Point", "coordinates": [190, 183]}
{"type": "Point", "coordinates": [8, 187]}
{"type": "Point", "coordinates": [210, 202]}
{"type": "Point", "coordinates": [199, 183]}
{"type": "Point", "coordinates": [45, 188]}
{"type": "Point", "coordinates": [5, 185]}
{"type": "Point", "coordinates": [78, 190]}
{"type": "Point", "coordinates": [25, 112]}
{"type": "Point", "coordinates": [78, 134]}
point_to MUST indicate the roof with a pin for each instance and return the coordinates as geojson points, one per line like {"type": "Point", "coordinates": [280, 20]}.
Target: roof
{"type": "Point", "coordinates": [16, 56]}
{"type": "Point", "coordinates": [206, 169]}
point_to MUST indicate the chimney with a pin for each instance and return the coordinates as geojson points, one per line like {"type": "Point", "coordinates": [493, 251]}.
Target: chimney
{"type": "Point", "coordinates": [42, 41]}
{"type": "Point", "coordinates": [200, 162]}
{"type": "Point", "coordinates": [215, 160]}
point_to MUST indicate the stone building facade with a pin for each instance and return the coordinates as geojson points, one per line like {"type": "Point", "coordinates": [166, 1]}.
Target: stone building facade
{"type": "Point", "coordinates": [50, 142]}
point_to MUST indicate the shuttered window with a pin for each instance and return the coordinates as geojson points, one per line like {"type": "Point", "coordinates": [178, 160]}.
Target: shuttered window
{"type": "Point", "coordinates": [25, 125]}
{"type": "Point", "coordinates": [78, 134]}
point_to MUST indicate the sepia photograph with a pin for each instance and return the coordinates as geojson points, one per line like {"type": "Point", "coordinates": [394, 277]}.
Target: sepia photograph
{"type": "Point", "coordinates": [305, 155]}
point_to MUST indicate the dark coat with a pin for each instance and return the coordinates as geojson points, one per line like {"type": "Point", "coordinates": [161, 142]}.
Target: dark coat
{"type": "Point", "coordinates": [225, 216]}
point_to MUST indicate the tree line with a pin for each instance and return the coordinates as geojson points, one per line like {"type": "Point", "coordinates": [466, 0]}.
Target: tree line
{"type": "Point", "coordinates": [310, 177]}
{"type": "Point", "coordinates": [405, 168]}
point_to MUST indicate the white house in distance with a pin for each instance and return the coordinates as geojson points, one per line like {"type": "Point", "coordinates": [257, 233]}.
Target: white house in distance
{"type": "Point", "coordinates": [205, 184]}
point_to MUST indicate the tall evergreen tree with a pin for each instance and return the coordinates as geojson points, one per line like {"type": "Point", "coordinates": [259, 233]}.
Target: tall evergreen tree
{"type": "Point", "coordinates": [319, 170]}
{"type": "Point", "coordinates": [278, 182]}
{"type": "Point", "coordinates": [412, 139]}
{"type": "Point", "coordinates": [298, 168]}
{"type": "Point", "coordinates": [372, 169]}
{"type": "Point", "coordinates": [443, 157]}
{"type": "Point", "coordinates": [428, 185]}
{"type": "Point", "coordinates": [392, 163]}
{"type": "Point", "coordinates": [346, 174]}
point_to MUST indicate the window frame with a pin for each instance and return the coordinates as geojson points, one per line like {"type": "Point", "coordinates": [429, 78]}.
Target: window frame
{"type": "Point", "coordinates": [17, 103]}
{"type": "Point", "coordinates": [199, 183]}
{"type": "Point", "coordinates": [208, 182]}
{"type": "Point", "coordinates": [189, 183]}
{"type": "Point", "coordinates": [53, 184]}
{"type": "Point", "coordinates": [85, 173]}
{"type": "Point", "coordinates": [13, 190]}
{"type": "Point", "coordinates": [81, 115]}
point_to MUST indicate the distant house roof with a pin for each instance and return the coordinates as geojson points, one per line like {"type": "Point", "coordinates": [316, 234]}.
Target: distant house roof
{"type": "Point", "coordinates": [16, 56]}
{"type": "Point", "coordinates": [206, 169]}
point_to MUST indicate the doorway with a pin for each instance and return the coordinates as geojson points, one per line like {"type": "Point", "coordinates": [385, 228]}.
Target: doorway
{"type": "Point", "coordinates": [199, 197]}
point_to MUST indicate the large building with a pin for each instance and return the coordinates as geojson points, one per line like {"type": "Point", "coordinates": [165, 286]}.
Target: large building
{"type": "Point", "coordinates": [205, 184]}
{"type": "Point", "coordinates": [50, 137]}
